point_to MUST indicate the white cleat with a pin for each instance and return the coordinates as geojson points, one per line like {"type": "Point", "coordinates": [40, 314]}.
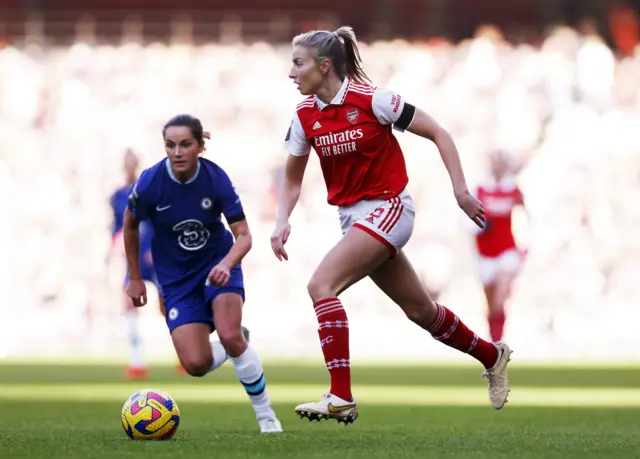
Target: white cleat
{"type": "Point", "coordinates": [497, 376]}
{"type": "Point", "coordinates": [329, 407]}
{"type": "Point", "coordinates": [270, 424]}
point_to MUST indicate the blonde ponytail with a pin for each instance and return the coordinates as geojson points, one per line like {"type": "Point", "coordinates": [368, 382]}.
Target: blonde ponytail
{"type": "Point", "coordinates": [341, 47]}
{"type": "Point", "coordinates": [353, 60]}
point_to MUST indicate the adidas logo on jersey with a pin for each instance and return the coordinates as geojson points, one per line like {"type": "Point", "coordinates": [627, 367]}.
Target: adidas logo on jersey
{"type": "Point", "coordinates": [316, 125]}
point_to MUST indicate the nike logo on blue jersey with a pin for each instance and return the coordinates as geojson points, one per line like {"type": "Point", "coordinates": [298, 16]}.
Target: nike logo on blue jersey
{"type": "Point", "coordinates": [160, 209]}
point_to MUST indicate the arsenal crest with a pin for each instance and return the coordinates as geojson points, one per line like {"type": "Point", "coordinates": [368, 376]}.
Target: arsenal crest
{"type": "Point", "coordinates": [352, 115]}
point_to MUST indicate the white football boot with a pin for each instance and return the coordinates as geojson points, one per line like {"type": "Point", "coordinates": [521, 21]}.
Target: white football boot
{"type": "Point", "coordinates": [497, 376]}
{"type": "Point", "coordinates": [269, 424]}
{"type": "Point", "coordinates": [329, 407]}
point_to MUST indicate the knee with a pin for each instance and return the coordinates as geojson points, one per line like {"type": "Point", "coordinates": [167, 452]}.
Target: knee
{"type": "Point", "coordinates": [319, 289]}
{"type": "Point", "coordinates": [197, 366]}
{"type": "Point", "coordinates": [233, 340]}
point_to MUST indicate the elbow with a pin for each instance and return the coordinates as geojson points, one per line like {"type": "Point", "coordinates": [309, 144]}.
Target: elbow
{"type": "Point", "coordinates": [291, 183]}
{"type": "Point", "coordinates": [248, 241]}
{"type": "Point", "coordinates": [441, 136]}
{"type": "Point", "coordinates": [130, 223]}
{"type": "Point", "coordinates": [244, 240]}
{"type": "Point", "coordinates": [292, 188]}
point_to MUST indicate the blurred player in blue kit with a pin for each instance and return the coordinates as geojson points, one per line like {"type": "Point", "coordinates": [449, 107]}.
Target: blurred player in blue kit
{"type": "Point", "coordinates": [136, 368]}
{"type": "Point", "coordinates": [197, 260]}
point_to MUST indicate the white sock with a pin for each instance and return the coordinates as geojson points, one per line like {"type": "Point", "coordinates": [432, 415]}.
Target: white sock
{"type": "Point", "coordinates": [219, 354]}
{"type": "Point", "coordinates": [135, 356]}
{"type": "Point", "coordinates": [249, 370]}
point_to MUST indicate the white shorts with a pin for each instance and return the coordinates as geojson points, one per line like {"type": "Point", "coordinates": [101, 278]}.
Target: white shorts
{"type": "Point", "coordinates": [509, 261]}
{"type": "Point", "coordinates": [389, 221]}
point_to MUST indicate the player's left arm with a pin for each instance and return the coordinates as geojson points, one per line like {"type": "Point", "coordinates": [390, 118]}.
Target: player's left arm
{"type": "Point", "coordinates": [231, 207]}
{"type": "Point", "coordinates": [241, 246]}
{"type": "Point", "coordinates": [427, 127]}
{"type": "Point", "coordinates": [391, 108]}
{"type": "Point", "coordinates": [521, 205]}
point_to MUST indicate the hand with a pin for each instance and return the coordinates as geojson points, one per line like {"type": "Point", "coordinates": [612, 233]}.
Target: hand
{"type": "Point", "coordinates": [219, 275]}
{"type": "Point", "coordinates": [472, 207]}
{"type": "Point", "coordinates": [279, 239]}
{"type": "Point", "coordinates": [137, 291]}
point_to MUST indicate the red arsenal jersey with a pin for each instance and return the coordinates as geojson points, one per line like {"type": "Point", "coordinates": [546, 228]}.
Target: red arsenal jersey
{"type": "Point", "coordinates": [359, 155]}
{"type": "Point", "coordinates": [498, 200]}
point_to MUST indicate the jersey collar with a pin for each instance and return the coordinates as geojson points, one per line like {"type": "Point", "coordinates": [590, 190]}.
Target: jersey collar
{"type": "Point", "coordinates": [508, 182]}
{"type": "Point", "coordinates": [173, 177]}
{"type": "Point", "coordinates": [338, 98]}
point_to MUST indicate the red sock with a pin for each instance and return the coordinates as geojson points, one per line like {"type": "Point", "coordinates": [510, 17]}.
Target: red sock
{"type": "Point", "coordinates": [333, 330]}
{"type": "Point", "coordinates": [496, 326]}
{"type": "Point", "coordinates": [449, 330]}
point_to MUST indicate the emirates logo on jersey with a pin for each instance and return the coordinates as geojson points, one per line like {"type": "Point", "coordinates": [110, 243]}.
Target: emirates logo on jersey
{"type": "Point", "coordinates": [352, 115]}
{"type": "Point", "coordinates": [337, 143]}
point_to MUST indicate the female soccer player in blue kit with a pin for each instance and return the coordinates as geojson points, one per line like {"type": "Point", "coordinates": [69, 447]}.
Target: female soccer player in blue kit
{"type": "Point", "coordinates": [197, 262]}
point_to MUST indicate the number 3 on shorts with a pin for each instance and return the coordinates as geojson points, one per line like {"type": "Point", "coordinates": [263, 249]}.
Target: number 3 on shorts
{"type": "Point", "coordinates": [391, 223]}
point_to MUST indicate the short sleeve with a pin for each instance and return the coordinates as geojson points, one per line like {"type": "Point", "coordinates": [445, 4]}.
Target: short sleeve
{"type": "Point", "coordinates": [228, 199]}
{"type": "Point", "coordinates": [295, 141]}
{"type": "Point", "coordinates": [389, 108]}
{"type": "Point", "coordinates": [519, 196]}
{"type": "Point", "coordinates": [139, 201]}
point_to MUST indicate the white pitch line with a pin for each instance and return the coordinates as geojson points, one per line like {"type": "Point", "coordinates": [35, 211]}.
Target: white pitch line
{"type": "Point", "coordinates": [372, 395]}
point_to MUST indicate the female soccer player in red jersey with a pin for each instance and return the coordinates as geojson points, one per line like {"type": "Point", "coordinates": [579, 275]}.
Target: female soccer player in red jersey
{"type": "Point", "coordinates": [348, 122]}
{"type": "Point", "coordinates": [499, 258]}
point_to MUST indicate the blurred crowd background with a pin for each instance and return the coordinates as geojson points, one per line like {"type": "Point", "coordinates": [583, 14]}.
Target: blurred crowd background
{"type": "Point", "coordinates": [556, 84]}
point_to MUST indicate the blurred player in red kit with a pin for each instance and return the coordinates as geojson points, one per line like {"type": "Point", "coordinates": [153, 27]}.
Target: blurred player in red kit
{"type": "Point", "coordinates": [499, 258]}
{"type": "Point", "coordinates": [349, 124]}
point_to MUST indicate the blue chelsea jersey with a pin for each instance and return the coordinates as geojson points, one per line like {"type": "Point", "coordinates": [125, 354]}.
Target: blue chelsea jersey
{"type": "Point", "coordinates": [189, 235]}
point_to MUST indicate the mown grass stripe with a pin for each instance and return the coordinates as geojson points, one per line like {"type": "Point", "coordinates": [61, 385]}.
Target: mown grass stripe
{"type": "Point", "coordinates": [373, 395]}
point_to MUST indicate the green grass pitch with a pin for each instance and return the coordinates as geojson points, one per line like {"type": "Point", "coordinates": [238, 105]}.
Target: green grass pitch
{"type": "Point", "coordinates": [72, 411]}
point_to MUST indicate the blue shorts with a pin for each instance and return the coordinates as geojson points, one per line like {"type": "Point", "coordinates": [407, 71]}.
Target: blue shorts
{"type": "Point", "coordinates": [196, 305]}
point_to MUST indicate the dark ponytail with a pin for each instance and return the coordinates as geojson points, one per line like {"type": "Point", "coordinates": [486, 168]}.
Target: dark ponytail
{"type": "Point", "coordinates": [341, 47]}
{"type": "Point", "coordinates": [353, 60]}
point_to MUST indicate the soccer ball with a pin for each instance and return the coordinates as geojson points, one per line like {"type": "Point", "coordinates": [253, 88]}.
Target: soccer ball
{"type": "Point", "coordinates": [150, 414]}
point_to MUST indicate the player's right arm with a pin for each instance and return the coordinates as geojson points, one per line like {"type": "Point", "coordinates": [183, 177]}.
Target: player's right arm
{"type": "Point", "coordinates": [136, 211]}
{"type": "Point", "coordinates": [131, 233]}
{"type": "Point", "coordinates": [298, 147]}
